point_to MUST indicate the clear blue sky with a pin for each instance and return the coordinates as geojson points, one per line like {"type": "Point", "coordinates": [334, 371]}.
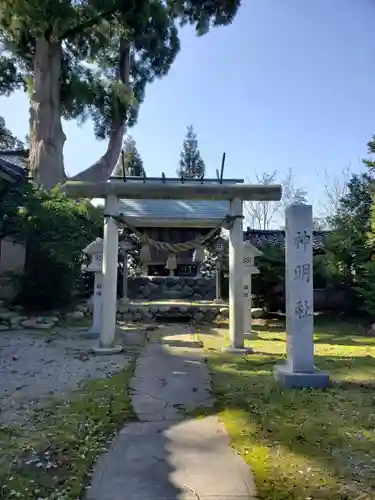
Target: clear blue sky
{"type": "Point", "coordinates": [290, 84]}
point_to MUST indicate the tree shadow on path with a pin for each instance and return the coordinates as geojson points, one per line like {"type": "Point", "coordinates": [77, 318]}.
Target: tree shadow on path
{"type": "Point", "coordinates": [169, 455]}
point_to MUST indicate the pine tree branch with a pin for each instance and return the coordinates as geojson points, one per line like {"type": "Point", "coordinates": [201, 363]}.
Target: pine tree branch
{"type": "Point", "coordinates": [89, 23]}
{"type": "Point", "coordinates": [103, 168]}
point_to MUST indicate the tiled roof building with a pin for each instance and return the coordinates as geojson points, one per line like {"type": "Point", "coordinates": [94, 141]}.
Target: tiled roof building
{"type": "Point", "coordinates": [13, 165]}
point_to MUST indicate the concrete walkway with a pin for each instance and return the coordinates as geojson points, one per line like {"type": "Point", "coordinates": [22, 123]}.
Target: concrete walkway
{"type": "Point", "coordinates": [167, 456]}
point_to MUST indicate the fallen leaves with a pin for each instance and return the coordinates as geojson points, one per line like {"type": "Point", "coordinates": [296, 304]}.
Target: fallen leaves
{"type": "Point", "coordinates": [55, 460]}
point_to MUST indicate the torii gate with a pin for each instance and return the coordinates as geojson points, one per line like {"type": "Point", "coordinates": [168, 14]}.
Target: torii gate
{"type": "Point", "coordinates": [171, 189]}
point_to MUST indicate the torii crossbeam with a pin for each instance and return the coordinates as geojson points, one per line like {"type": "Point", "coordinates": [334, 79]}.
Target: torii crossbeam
{"type": "Point", "coordinates": [171, 189]}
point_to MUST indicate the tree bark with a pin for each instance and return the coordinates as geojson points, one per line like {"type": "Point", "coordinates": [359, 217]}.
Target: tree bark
{"type": "Point", "coordinates": [104, 167]}
{"type": "Point", "coordinates": [46, 133]}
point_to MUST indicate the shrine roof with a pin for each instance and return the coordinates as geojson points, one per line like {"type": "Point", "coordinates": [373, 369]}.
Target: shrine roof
{"type": "Point", "coordinates": [13, 165]}
{"type": "Point", "coordinates": [174, 213]}
{"type": "Point", "coordinates": [259, 238]}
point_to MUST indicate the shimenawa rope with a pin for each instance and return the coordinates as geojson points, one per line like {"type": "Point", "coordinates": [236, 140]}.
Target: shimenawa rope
{"type": "Point", "coordinates": [174, 247]}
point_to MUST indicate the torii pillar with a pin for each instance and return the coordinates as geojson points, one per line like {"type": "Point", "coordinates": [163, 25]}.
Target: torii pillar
{"type": "Point", "coordinates": [110, 264]}
{"type": "Point", "coordinates": [236, 299]}
{"type": "Point", "coordinates": [172, 189]}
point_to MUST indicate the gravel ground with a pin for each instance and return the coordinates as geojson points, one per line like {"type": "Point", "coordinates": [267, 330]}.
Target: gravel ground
{"type": "Point", "coordinates": [37, 366]}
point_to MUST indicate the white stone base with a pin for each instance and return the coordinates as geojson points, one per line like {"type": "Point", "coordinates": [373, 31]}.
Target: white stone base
{"type": "Point", "coordinates": [294, 380]}
{"type": "Point", "coordinates": [218, 301]}
{"type": "Point", "coordinates": [90, 334]}
{"type": "Point", "coordinates": [102, 351]}
{"type": "Point", "coordinates": [238, 350]}
{"type": "Point", "coordinates": [251, 335]}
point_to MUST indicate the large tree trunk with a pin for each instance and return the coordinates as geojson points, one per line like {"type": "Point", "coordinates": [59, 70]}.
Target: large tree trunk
{"type": "Point", "coordinates": [104, 167]}
{"type": "Point", "coordinates": [46, 133]}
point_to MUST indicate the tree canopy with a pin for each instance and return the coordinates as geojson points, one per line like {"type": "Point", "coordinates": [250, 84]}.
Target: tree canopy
{"type": "Point", "coordinates": [7, 139]}
{"type": "Point", "coordinates": [191, 163]}
{"type": "Point", "coordinates": [132, 160]}
{"type": "Point", "coordinates": [80, 60]}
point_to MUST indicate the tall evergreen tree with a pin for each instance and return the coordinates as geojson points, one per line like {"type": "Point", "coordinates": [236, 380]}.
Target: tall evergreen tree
{"type": "Point", "coordinates": [132, 159]}
{"type": "Point", "coordinates": [45, 48]}
{"type": "Point", "coordinates": [349, 246]}
{"type": "Point", "coordinates": [46, 45]}
{"type": "Point", "coordinates": [7, 139]}
{"type": "Point", "coordinates": [191, 163]}
{"type": "Point", "coordinates": [370, 162]}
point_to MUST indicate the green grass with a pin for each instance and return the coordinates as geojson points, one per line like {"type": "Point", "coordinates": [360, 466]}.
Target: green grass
{"type": "Point", "coordinates": [54, 460]}
{"type": "Point", "coordinates": [301, 444]}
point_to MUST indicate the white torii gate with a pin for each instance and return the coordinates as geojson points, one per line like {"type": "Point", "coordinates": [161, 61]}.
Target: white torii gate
{"type": "Point", "coordinates": [208, 189]}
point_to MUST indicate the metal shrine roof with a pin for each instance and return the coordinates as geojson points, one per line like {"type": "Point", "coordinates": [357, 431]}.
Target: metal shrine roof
{"type": "Point", "coordinates": [169, 212]}
{"type": "Point", "coordinates": [177, 213]}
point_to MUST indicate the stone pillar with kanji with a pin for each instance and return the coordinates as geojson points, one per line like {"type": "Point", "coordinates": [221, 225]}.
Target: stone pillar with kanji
{"type": "Point", "coordinates": [249, 268]}
{"type": "Point", "coordinates": [218, 252]}
{"type": "Point", "coordinates": [299, 371]}
{"type": "Point", "coordinates": [236, 300]}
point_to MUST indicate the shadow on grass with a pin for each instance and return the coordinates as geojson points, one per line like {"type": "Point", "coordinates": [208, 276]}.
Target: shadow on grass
{"type": "Point", "coordinates": [67, 436]}
{"type": "Point", "coordinates": [338, 367]}
{"type": "Point", "coordinates": [271, 327]}
{"type": "Point", "coordinates": [349, 340]}
{"type": "Point", "coordinates": [328, 331]}
{"type": "Point", "coordinates": [184, 344]}
{"type": "Point", "coordinates": [300, 443]}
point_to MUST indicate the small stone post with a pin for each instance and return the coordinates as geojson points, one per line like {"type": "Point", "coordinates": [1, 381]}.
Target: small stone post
{"type": "Point", "coordinates": [125, 246]}
{"type": "Point", "coordinates": [95, 252]}
{"type": "Point", "coordinates": [299, 371]}
{"type": "Point", "coordinates": [198, 257]}
{"type": "Point", "coordinates": [250, 252]}
{"type": "Point", "coordinates": [218, 282]}
{"type": "Point", "coordinates": [218, 252]}
{"type": "Point", "coordinates": [125, 278]}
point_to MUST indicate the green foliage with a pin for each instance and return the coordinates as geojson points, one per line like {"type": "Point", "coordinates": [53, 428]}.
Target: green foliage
{"type": "Point", "coordinates": [90, 32]}
{"type": "Point", "coordinates": [97, 56]}
{"type": "Point", "coordinates": [347, 263]}
{"type": "Point", "coordinates": [191, 163]}
{"type": "Point", "coordinates": [12, 221]}
{"type": "Point", "coordinates": [204, 13]}
{"type": "Point", "coordinates": [132, 160]}
{"type": "Point", "coordinates": [7, 139]}
{"type": "Point", "coordinates": [369, 162]}
{"type": "Point", "coordinates": [364, 287]}
{"type": "Point", "coordinates": [349, 248]}
{"type": "Point", "coordinates": [325, 273]}
{"type": "Point", "coordinates": [293, 440]}
{"type": "Point", "coordinates": [68, 434]}
{"type": "Point", "coordinates": [55, 230]}
{"type": "Point", "coordinates": [268, 285]}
